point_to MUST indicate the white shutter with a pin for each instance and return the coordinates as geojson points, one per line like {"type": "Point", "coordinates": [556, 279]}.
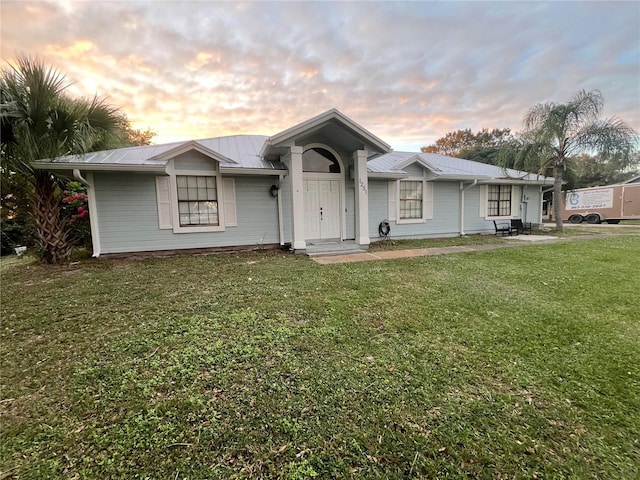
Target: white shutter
{"type": "Point", "coordinates": [484, 191]}
{"type": "Point", "coordinates": [515, 201]}
{"type": "Point", "coordinates": [393, 200]}
{"type": "Point", "coordinates": [428, 200]}
{"type": "Point", "coordinates": [229, 202]}
{"type": "Point", "coordinates": [164, 202]}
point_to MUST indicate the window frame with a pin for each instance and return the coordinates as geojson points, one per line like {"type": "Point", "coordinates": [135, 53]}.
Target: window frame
{"type": "Point", "coordinates": [205, 186]}
{"type": "Point", "coordinates": [215, 173]}
{"type": "Point", "coordinates": [499, 201]}
{"type": "Point", "coordinates": [332, 157]}
{"type": "Point", "coordinates": [427, 201]}
{"type": "Point", "coordinates": [420, 189]}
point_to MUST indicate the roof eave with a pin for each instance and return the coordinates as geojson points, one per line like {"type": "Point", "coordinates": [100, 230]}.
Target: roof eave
{"type": "Point", "coordinates": [252, 171]}
{"type": "Point", "coordinates": [393, 176]}
{"type": "Point", "coordinates": [516, 181]}
{"type": "Point", "coordinates": [96, 167]}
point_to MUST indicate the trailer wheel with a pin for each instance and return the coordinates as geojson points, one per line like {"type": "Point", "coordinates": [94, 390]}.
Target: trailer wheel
{"type": "Point", "coordinates": [593, 218]}
{"type": "Point", "coordinates": [576, 218]}
{"type": "Point", "coordinates": [614, 222]}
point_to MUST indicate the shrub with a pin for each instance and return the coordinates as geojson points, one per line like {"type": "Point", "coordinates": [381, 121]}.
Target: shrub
{"type": "Point", "coordinates": [14, 233]}
{"type": "Point", "coordinates": [76, 208]}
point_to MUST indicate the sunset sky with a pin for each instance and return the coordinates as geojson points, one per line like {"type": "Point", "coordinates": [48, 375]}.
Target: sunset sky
{"type": "Point", "coordinates": [407, 71]}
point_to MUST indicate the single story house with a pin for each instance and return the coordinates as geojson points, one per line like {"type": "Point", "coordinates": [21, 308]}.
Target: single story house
{"type": "Point", "coordinates": [326, 179]}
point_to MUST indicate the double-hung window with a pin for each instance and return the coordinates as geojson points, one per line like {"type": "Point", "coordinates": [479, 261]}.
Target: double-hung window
{"type": "Point", "coordinates": [411, 200]}
{"type": "Point", "coordinates": [499, 201]}
{"type": "Point", "coordinates": [197, 200]}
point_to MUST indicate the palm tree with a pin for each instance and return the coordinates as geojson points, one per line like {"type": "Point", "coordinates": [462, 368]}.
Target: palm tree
{"type": "Point", "coordinates": [39, 121]}
{"type": "Point", "coordinates": [555, 133]}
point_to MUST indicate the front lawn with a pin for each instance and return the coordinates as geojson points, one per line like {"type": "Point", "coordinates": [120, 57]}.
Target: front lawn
{"type": "Point", "coordinates": [511, 363]}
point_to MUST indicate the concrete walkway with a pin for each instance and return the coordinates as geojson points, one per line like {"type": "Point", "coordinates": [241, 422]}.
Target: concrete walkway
{"type": "Point", "coordinates": [424, 252]}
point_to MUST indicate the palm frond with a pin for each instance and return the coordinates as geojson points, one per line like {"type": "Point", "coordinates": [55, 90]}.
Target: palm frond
{"type": "Point", "coordinates": [537, 115]}
{"type": "Point", "coordinates": [606, 136]}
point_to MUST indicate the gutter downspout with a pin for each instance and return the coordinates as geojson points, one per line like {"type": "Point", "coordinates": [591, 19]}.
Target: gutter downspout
{"type": "Point", "coordinates": [93, 210]}
{"type": "Point", "coordinates": [524, 203]}
{"type": "Point", "coordinates": [280, 219]}
{"type": "Point", "coordinates": [462, 190]}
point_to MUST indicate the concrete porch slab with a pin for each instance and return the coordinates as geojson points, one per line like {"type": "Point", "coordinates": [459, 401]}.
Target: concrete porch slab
{"type": "Point", "coordinates": [533, 238]}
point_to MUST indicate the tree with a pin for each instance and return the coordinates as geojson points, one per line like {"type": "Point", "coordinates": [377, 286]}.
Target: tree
{"type": "Point", "coordinates": [39, 121]}
{"type": "Point", "coordinates": [594, 170]}
{"type": "Point", "coordinates": [482, 146]}
{"type": "Point", "coordinates": [554, 133]}
{"type": "Point", "coordinates": [135, 137]}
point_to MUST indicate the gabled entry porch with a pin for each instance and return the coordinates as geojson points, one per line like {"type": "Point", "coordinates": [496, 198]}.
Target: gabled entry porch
{"type": "Point", "coordinates": [325, 193]}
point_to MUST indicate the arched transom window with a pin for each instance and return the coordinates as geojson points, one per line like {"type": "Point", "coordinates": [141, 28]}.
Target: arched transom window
{"type": "Point", "coordinates": [320, 160]}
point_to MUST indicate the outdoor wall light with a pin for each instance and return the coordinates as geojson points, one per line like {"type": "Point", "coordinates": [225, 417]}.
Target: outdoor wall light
{"type": "Point", "coordinates": [274, 191]}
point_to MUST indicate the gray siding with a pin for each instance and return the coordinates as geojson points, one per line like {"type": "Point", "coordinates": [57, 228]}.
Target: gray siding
{"type": "Point", "coordinates": [473, 222]}
{"type": "Point", "coordinates": [531, 210]}
{"type": "Point", "coordinates": [378, 205]}
{"type": "Point", "coordinates": [415, 170]}
{"type": "Point", "coordinates": [446, 211]}
{"type": "Point", "coordinates": [128, 216]}
{"type": "Point", "coordinates": [194, 160]}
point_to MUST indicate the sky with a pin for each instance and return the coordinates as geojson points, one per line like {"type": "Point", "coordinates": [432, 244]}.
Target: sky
{"type": "Point", "coordinates": [409, 72]}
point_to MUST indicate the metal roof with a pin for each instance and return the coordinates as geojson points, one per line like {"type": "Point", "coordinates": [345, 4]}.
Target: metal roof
{"type": "Point", "coordinates": [635, 179]}
{"type": "Point", "coordinates": [242, 151]}
{"type": "Point", "coordinates": [247, 152]}
{"type": "Point", "coordinates": [448, 167]}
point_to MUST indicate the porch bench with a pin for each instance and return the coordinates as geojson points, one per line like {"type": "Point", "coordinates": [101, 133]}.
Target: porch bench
{"type": "Point", "coordinates": [504, 228]}
{"type": "Point", "coordinates": [521, 227]}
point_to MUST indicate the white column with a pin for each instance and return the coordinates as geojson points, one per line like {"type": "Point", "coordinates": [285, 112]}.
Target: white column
{"type": "Point", "coordinates": [362, 196]}
{"type": "Point", "coordinates": [294, 162]}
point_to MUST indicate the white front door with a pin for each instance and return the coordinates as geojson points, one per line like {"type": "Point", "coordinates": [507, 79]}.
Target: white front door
{"type": "Point", "coordinates": [321, 209]}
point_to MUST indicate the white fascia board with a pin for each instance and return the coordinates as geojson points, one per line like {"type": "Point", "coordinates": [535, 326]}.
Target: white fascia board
{"type": "Point", "coordinates": [463, 177]}
{"type": "Point", "coordinates": [384, 146]}
{"type": "Point", "coordinates": [193, 145]}
{"type": "Point", "coordinates": [513, 181]}
{"type": "Point", "coordinates": [392, 176]}
{"type": "Point", "coordinates": [251, 171]}
{"type": "Point", "coordinates": [301, 127]}
{"type": "Point", "coordinates": [94, 167]}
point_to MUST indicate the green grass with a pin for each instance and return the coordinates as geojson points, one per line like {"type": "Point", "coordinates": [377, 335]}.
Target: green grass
{"type": "Point", "coordinates": [511, 363]}
{"type": "Point", "coordinates": [626, 227]}
{"type": "Point", "coordinates": [394, 244]}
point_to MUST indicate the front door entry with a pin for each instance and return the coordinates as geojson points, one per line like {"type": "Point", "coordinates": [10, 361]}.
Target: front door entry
{"type": "Point", "coordinates": [321, 209]}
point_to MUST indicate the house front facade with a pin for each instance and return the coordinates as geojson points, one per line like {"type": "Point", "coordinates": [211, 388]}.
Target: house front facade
{"type": "Point", "coordinates": [324, 180]}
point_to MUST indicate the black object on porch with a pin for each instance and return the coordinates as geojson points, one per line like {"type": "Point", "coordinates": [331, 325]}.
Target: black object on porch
{"type": "Point", "coordinates": [504, 228]}
{"type": "Point", "coordinates": [521, 227]}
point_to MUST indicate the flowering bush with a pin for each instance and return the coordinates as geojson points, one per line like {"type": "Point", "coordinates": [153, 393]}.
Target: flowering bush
{"type": "Point", "coordinates": [76, 208]}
